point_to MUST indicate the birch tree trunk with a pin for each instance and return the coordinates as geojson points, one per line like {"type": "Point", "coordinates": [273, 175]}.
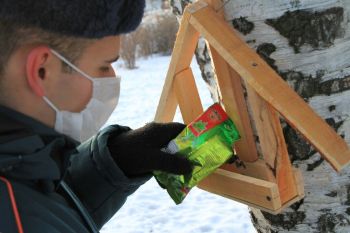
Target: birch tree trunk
{"type": "Point", "coordinates": [308, 43]}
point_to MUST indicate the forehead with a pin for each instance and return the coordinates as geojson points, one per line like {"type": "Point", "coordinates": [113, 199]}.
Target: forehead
{"type": "Point", "coordinates": [107, 47]}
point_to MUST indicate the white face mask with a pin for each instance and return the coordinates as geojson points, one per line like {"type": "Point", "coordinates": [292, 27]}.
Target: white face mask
{"type": "Point", "coordinates": [83, 125]}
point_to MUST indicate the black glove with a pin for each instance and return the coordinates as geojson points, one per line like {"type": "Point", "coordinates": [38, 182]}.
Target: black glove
{"type": "Point", "coordinates": [138, 151]}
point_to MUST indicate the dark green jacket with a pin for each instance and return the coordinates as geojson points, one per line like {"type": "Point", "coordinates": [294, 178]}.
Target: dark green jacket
{"type": "Point", "coordinates": [59, 185]}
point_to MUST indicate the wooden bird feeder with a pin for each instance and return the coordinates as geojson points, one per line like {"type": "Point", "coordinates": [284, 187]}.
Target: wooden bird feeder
{"type": "Point", "coordinates": [267, 181]}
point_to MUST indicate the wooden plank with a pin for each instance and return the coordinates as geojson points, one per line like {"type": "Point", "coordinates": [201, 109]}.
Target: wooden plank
{"type": "Point", "coordinates": [188, 96]}
{"type": "Point", "coordinates": [181, 58]}
{"type": "Point", "coordinates": [235, 106]}
{"type": "Point", "coordinates": [243, 189]}
{"type": "Point", "coordinates": [269, 85]}
{"type": "Point", "coordinates": [231, 90]}
{"type": "Point", "coordinates": [300, 194]}
{"type": "Point", "coordinates": [299, 197]}
{"type": "Point", "coordinates": [286, 205]}
{"type": "Point", "coordinates": [272, 143]}
{"type": "Point", "coordinates": [298, 176]}
{"type": "Point", "coordinates": [258, 169]}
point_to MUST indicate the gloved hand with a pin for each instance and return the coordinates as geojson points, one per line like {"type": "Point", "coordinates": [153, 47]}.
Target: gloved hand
{"type": "Point", "coordinates": [139, 152]}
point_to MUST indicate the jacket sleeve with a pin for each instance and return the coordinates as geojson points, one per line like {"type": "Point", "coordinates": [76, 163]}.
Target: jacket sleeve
{"type": "Point", "coordinates": [97, 180]}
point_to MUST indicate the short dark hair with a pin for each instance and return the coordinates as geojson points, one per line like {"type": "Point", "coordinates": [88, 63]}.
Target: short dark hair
{"type": "Point", "coordinates": [13, 37]}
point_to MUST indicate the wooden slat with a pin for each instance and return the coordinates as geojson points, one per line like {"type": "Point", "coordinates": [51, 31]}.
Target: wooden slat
{"type": "Point", "coordinates": [269, 85]}
{"type": "Point", "coordinates": [298, 176]}
{"type": "Point", "coordinates": [183, 52]}
{"type": "Point", "coordinates": [243, 188]}
{"type": "Point", "coordinates": [271, 142]}
{"type": "Point", "coordinates": [273, 145]}
{"type": "Point", "coordinates": [300, 194]}
{"type": "Point", "coordinates": [258, 169]}
{"type": "Point", "coordinates": [233, 99]}
{"type": "Point", "coordinates": [235, 106]}
{"type": "Point", "coordinates": [187, 96]}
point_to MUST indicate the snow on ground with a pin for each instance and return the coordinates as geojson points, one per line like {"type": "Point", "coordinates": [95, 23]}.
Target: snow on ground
{"type": "Point", "coordinates": [150, 209]}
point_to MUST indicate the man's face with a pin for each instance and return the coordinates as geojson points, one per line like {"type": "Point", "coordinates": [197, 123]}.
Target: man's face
{"type": "Point", "coordinates": [72, 91]}
{"type": "Point", "coordinates": [34, 72]}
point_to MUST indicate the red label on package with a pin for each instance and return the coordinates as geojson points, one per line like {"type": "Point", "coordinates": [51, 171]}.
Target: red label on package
{"type": "Point", "coordinates": [214, 116]}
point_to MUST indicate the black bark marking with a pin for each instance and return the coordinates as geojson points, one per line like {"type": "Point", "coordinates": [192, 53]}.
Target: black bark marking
{"type": "Point", "coordinates": [347, 202]}
{"type": "Point", "coordinates": [184, 3]}
{"type": "Point", "coordinates": [332, 194]}
{"type": "Point", "coordinates": [333, 124]}
{"type": "Point", "coordinates": [265, 50]}
{"type": "Point", "coordinates": [331, 108]}
{"type": "Point", "coordinates": [254, 219]}
{"type": "Point", "coordinates": [202, 60]}
{"type": "Point", "coordinates": [297, 205]}
{"type": "Point", "coordinates": [335, 86]}
{"type": "Point", "coordinates": [312, 166]}
{"type": "Point", "coordinates": [295, 3]}
{"type": "Point", "coordinates": [325, 210]}
{"type": "Point", "coordinates": [326, 222]}
{"type": "Point", "coordinates": [348, 210]}
{"type": "Point", "coordinates": [176, 10]}
{"type": "Point", "coordinates": [308, 86]}
{"type": "Point", "coordinates": [317, 29]}
{"type": "Point", "coordinates": [287, 220]}
{"type": "Point", "coordinates": [320, 73]}
{"type": "Point", "coordinates": [251, 41]}
{"type": "Point", "coordinates": [257, 139]}
{"type": "Point", "coordinates": [305, 86]}
{"type": "Point", "coordinates": [298, 148]}
{"type": "Point", "coordinates": [243, 25]}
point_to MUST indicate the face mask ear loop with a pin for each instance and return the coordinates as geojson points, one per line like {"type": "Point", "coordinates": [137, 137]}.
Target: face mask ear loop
{"type": "Point", "coordinates": [71, 65]}
{"type": "Point", "coordinates": [51, 104]}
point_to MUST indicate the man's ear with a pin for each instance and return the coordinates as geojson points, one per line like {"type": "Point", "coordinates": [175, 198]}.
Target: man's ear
{"type": "Point", "coordinates": [36, 69]}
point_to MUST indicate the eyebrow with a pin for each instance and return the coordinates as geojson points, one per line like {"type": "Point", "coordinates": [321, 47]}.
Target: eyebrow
{"type": "Point", "coordinates": [113, 60]}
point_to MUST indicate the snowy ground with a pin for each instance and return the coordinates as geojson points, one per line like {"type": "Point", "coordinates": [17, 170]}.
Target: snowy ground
{"type": "Point", "coordinates": [150, 209]}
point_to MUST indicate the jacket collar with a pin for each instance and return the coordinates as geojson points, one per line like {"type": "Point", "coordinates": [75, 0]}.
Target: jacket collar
{"type": "Point", "coordinates": [30, 150]}
{"type": "Point", "coordinates": [18, 120]}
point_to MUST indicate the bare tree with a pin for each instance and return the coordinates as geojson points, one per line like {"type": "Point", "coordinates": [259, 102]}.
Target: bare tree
{"type": "Point", "coordinates": [156, 34]}
{"type": "Point", "coordinates": [164, 33]}
{"type": "Point", "coordinates": [308, 43]}
{"type": "Point", "coordinates": [129, 46]}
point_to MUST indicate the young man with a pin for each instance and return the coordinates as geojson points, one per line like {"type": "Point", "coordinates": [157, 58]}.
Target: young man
{"type": "Point", "coordinates": [57, 88]}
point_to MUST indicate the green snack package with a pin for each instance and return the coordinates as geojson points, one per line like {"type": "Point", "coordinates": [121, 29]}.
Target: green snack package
{"type": "Point", "coordinates": [208, 143]}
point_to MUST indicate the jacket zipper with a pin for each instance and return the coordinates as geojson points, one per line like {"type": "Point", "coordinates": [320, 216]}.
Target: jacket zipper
{"type": "Point", "coordinates": [80, 207]}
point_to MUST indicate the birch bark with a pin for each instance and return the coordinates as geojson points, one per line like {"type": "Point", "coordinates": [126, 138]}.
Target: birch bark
{"type": "Point", "coordinates": [308, 43]}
